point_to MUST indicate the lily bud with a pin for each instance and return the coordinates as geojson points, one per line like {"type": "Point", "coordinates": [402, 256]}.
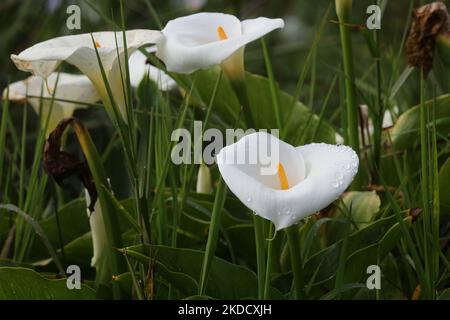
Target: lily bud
{"type": "Point", "coordinates": [204, 180]}
{"type": "Point", "coordinates": [344, 9]}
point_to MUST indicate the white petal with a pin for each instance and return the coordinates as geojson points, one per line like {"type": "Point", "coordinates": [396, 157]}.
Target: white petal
{"type": "Point", "coordinates": [98, 231]}
{"type": "Point", "coordinates": [76, 88]}
{"type": "Point", "coordinates": [191, 43]}
{"type": "Point", "coordinates": [139, 68]}
{"type": "Point", "coordinates": [261, 26]}
{"type": "Point", "coordinates": [328, 171]}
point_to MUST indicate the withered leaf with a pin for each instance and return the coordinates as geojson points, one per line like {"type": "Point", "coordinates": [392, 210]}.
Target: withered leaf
{"type": "Point", "coordinates": [61, 165]}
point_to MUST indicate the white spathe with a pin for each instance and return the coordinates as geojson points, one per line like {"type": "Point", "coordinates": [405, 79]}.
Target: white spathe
{"type": "Point", "coordinates": [139, 67]}
{"type": "Point", "coordinates": [98, 230]}
{"type": "Point", "coordinates": [43, 58]}
{"type": "Point", "coordinates": [77, 90]}
{"type": "Point", "coordinates": [203, 40]}
{"type": "Point", "coordinates": [317, 174]}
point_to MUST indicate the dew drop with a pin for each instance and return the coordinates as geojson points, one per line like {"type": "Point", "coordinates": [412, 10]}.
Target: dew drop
{"type": "Point", "coordinates": [336, 184]}
{"type": "Point", "coordinates": [249, 199]}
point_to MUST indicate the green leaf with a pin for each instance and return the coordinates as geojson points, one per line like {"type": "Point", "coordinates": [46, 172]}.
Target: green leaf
{"type": "Point", "coordinates": [360, 210]}
{"type": "Point", "coordinates": [227, 107]}
{"type": "Point", "coordinates": [73, 222]}
{"type": "Point", "coordinates": [445, 294]}
{"type": "Point", "coordinates": [226, 280]}
{"type": "Point", "coordinates": [358, 262]}
{"type": "Point", "coordinates": [327, 259]}
{"type": "Point", "coordinates": [26, 284]}
{"type": "Point", "coordinates": [364, 206]}
{"type": "Point", "coordinates": [404, 132]}
{"type": "Point", "coordinates": [444, 188]}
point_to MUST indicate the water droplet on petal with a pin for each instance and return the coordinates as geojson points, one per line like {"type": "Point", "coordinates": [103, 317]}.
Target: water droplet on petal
{"type": "Point", "coordinates": [336, 184]}
{"type": "Point", "coordinates": [249, 199]}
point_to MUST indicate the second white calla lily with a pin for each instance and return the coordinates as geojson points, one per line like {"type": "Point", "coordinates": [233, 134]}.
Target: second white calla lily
{"type": "Point", "coordinates": [203, 40]}
{"type": "Point", "coordinates": [72, 92]}
{"type": "Point", "coordinates": [79, 50]}
{"type": "Point", "coordinates": [307, 179]}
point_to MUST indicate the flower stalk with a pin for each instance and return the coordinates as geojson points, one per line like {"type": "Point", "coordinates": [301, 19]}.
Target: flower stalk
{"type": "Point", "coordinates": [213, 235]}
{"type": "Point", "coordinates": [343, 10]}
{"type": "Point", "coordinates": [296, 261]}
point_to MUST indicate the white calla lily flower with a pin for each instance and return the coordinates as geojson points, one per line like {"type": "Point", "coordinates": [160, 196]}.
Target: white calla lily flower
{"type": "Point", "coordinates": [204, 184]}
{"type": "Point", "coordinates": [307, 180]}
{"type": "Point", "coordinates": [139, 67]}
{"type": "Point", "coordinates": [43, 58]}
{"type": "Point", "coordinates": [203, 40]}
{"type": "Point", "coordinates": [98, 231]}
{"type": "Point", "coordinates": [72, 92]}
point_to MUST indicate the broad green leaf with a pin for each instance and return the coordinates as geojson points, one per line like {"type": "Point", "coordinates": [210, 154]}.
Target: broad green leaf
{"type": "Point", "coordinates": [227, 107]}
{"type": "Point", "coordinates": [79, 251]}
{"type": "Point", "coordinates": [26, 284]}
{"type": "Point", "coordinates": [358, 262]}
{"type": "Point", "coordinates": [404, 132]}
{"type": "Point", "coordinates": [327, 259]}
{"type": "Point", "coordinates": [226, 280]}
{"type": "Point", "coordinates": [73, 223]}
{"type": "Point", "coordinates": [363, 206]}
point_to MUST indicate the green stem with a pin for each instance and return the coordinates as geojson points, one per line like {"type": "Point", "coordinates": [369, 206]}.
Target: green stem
{"type": "Point", "coordinates": [424, 178]}
{"type": "Point", "coordinates": [379, 110]}
{"type": "Point", "coordinates": [269, 264]}
{"type": "Point", "coordinates": [213, 235]}
{"type": "Point", "coordinates": [258, 224]}
{"type": "Point", "coordinates": [343, 9]}
{"type": "Point", "coordinates": [296, 262]}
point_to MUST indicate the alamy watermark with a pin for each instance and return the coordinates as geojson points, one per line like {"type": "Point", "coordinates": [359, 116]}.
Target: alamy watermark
{"type": "Point", "coordinates": [73, 21]}
{"type": "Point", "coordinates": [374, 280]}
{"type": "Point", "coordinates": [374, 20]}
{"type": "Point", "coordinates": [189, 150]}
{"type": "Point", "coordinates": [74, 277]}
